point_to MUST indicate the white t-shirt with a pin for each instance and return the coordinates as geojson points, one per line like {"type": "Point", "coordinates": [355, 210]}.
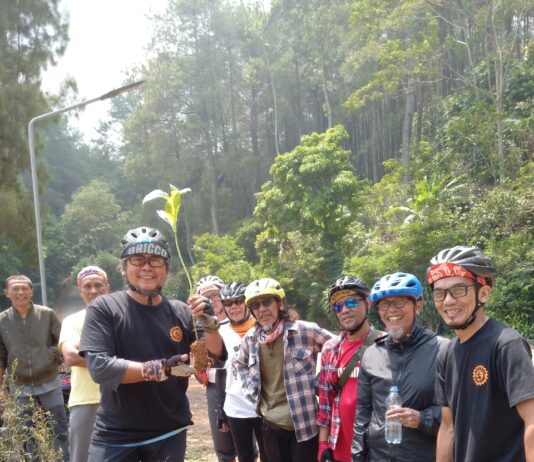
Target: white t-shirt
{"type": "Point", "coordinates": [235, 404]}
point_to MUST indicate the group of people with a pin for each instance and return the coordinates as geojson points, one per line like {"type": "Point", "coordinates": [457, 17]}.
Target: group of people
{"type": "Point", "coordinates": [269, 396]}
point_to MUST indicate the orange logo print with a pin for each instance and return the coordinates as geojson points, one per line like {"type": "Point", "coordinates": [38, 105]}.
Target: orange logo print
{"type": "Point", "coordinates": [176, 334]}
{"type": "Point", "coordinates": [480, 375]}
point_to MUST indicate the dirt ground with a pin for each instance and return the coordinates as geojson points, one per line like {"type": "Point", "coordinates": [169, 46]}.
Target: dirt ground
{"type": "Point", "coordinates": [199, 443]}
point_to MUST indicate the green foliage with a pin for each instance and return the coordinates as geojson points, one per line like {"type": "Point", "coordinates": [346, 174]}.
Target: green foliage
{"type": "Point", "coordinates": [93, 220]}
{"type": "Point", "coordinates": [170, 214]}
{"type": "Point", "coordinates": [222, 256]}
{"type": "Point", "coordinates": [313, 189]}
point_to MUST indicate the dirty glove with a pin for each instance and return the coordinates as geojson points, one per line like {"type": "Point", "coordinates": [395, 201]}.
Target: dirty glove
{"type": "Point", "coordinates": [176, 367]}
{"type": "Point", "coordinates": [325, 453]}
{"type": "Point", "coordinates": [159, 370]}
{"type": "Point", "coordinates": [222, 419]}
{"type": "Point", "coordinates": [209, 323]}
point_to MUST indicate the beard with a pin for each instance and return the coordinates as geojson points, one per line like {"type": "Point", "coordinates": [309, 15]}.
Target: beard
{"type": "Point", "coordinates": [396, 333]}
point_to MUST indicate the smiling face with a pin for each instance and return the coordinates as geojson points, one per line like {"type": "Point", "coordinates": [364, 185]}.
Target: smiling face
{"type": "Point", "coordinates": [235, 308]}
{"type": "Point", "coordinates": [91, 286]}
{"type": "Point", "coordinates": [398, 314]}
{"type": "Point", "coordinates": [145, 278]}
{"type": "Point", "coordinates": [455, 311]}
{"type": "Point", "coordinates": [20, 293]}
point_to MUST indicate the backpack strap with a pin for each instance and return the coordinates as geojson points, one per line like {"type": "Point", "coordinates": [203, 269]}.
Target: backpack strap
{"type": "Point", "coordinates": [373, 334]}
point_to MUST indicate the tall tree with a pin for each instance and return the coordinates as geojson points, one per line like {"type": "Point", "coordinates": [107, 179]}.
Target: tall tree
{"type": "Point", "coordinates": [32, 35]}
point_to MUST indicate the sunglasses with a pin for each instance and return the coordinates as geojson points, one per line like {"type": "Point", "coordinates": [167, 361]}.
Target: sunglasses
{"type": "Point", "coordinates": [350, 303]}
{"type": "Point", "coordinates": [257, 305]}
{"type": "Point", "coordinates": [233, 301]}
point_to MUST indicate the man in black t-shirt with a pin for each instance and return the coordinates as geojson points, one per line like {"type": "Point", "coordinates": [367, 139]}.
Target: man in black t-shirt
{"type": "Point", "coordinates": [136, 343]}
{"type": "Point", "coordinates": [485, 378]}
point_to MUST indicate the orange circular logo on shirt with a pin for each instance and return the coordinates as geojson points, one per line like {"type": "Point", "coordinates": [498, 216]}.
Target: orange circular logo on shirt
{"type": "Point", "coordinates": [176, 334]}
{"type": "Point", "coordinates": [480, 375]}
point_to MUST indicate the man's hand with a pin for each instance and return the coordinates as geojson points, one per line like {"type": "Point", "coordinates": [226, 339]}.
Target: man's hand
{"type": "Point", "coordinates": [198, 305]}
{"type": "Point", "coordinates": [222, 420]}
{"type": "Point", "coordinates": [325, 453]}
{"type": "Point", "coordinates": [159, 370]}
{"type": "Point", "coordinates": [408, 417]}
{"type": "Point", "coordinates": [176, 366]}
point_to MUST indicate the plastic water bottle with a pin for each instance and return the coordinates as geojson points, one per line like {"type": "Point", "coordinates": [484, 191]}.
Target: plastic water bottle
{"type": "Point", "coordinates": [393, 426]}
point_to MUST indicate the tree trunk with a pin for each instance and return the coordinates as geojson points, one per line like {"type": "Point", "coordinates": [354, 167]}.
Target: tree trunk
{"type": "Point", "coordinates": [407, 125]}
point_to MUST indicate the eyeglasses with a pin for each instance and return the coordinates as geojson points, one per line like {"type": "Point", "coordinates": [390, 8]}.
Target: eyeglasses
{"type": "Point", "coordinates": [400, 302]}
{"type": "Point", "coordinates": [236, 301]}
{"type": "Point", "coordinates": [154, 262]}
{"type": "Point", "coordinates": [267, 302]}
{"type": "Point", "coordinates": [458, 291]}
{"type": "Point", "coordinates": [350, 303]}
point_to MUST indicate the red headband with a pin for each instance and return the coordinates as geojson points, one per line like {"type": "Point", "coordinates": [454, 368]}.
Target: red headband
{"type": "Point", "coordinates": [450, 270]}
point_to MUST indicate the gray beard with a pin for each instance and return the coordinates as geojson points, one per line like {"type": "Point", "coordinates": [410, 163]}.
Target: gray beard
{"type": "Point", "coordinates": [396, 333]}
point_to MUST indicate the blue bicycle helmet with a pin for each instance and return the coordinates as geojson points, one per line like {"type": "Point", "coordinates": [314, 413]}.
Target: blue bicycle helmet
{"type": "Point", "coordinates": [395, 285]}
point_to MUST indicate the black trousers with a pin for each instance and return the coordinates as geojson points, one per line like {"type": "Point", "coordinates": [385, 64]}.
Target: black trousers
{"type": "Point", "coordinates": [282, 445]}
{"type": "Point", "coordinates": [243, 432]}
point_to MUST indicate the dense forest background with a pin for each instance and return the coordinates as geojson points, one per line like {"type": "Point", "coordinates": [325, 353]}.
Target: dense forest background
{"type": "Point", "coordinates": [319, 138]}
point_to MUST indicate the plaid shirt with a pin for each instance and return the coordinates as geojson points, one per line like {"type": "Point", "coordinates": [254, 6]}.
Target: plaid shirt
{"type": "Point", "coordinates": [302, 342]}
{"type": "Point", "coordinates": [328, 415]}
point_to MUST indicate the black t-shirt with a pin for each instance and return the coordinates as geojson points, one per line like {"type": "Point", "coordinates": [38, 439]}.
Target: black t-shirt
{"type": "Point", "coordinates": [117, 325]}
{"type": "Point", "coordinates": [481, 381]}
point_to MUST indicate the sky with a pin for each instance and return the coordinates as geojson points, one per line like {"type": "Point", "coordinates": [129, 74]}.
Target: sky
{"type": "Point", "coordinates": [106, 38]}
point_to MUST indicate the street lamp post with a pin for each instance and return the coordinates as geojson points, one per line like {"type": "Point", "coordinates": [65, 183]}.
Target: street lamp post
{"type": "Point", "coordinates": [33, 166]}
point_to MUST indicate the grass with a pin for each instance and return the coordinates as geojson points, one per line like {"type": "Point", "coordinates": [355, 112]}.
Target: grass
{"type": "Point", "coordinates": [22, 425]}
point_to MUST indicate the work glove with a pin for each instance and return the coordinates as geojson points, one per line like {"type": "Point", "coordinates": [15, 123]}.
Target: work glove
{"type": "Point", "coordinates": [209, 323]}
{"type": "Point", "coordinates": [159, 370]}
{"type": "Point", "coordinates": [325, 453]}
{"type": "Point", "coordinates": [222, 419]}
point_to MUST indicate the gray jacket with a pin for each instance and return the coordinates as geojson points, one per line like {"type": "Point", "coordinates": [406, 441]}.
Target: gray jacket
{"type": "Point", "coordinates": [411, 365]}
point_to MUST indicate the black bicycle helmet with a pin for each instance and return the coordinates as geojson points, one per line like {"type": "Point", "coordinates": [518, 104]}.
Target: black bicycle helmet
{"type": "Point", "coordinates": [349, 283]}
{"type": "Point", "coordinates": [345, 286]}
{"type": "Point", "coordinates": [145, 240]}
{"type": "Point", "coordinates": [470, 258]}
{"type": "Point", "coordinates": [233, 290]}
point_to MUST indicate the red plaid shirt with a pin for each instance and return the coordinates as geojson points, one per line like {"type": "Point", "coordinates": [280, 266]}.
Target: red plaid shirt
{"type": "Point", "coordinates": [328, 415]}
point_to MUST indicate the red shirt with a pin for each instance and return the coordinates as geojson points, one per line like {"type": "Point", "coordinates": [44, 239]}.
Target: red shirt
{"type": "Point", "coordinates": [338, 410]}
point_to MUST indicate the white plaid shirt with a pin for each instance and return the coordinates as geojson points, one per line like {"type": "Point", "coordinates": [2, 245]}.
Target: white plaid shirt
{"type": "Point", "coordinates": [302, 342]}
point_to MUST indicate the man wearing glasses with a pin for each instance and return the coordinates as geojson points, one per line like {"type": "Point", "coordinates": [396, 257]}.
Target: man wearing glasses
{"type": "Point", "coordinates": [135, 343]}
{"type": "Point", "coordinates": [405, 358]}
{"type": "Point", "coordinates": [485, 378]}
{"type": "Point", "coordinates": [276, 365]}
{"type": "Point", "coordinates": [340, 363]}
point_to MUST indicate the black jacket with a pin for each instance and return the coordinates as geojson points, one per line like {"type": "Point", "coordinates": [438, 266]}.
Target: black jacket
{"type": "Point", "coordinates": [411, 365]}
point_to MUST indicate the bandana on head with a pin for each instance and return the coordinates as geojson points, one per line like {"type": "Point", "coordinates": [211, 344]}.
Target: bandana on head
{"type": "Point", "coordinates": [88, 270]}
{"type": "Point", "coordinates": [341, 294]}
{"type": "Point", "coordinates": [450, 270]}
{"type": "Point", "coordinates": [204, 289]}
